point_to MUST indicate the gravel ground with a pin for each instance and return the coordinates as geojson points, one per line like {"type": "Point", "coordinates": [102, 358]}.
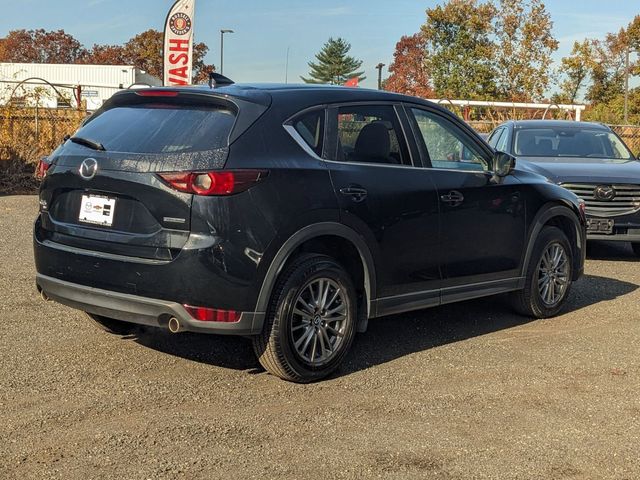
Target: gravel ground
{"type": "Point", "coordinates": [463, 391]}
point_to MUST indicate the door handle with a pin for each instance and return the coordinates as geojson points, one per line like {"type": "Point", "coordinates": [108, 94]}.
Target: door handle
{"type": "Point", "coordinates": [453, 198]}
{"type": "Point", "coordinates": [356, 192]}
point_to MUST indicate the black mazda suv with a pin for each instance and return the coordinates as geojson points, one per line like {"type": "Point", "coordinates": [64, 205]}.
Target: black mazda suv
{"type": "Point", "coordinates": [293, 215]}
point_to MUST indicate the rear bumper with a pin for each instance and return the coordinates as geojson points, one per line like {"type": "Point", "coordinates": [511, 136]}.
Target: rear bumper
{"type": "Point", "coordinates": [208, 271]}
{"type": "Point", "coordinates": [140, 310]}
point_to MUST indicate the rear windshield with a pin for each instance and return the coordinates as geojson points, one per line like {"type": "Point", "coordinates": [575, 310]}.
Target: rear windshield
{"type": "Point", "coordinates": [569, 142]}
{"type": "Point", "coordinates": [160, 128]}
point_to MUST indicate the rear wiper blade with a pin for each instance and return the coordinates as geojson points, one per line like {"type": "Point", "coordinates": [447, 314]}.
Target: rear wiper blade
{"type": "Point", "coordinates": [88, 143]}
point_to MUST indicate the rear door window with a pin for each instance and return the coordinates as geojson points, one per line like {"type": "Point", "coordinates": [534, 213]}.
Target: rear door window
{"type": "Point", "coordinates": [370, 134]}
{"type": "Point", "coordinates": [160, 128]}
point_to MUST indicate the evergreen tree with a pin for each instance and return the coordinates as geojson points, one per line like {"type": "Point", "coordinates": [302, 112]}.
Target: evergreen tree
{"type": "Point", "coordinates": [334, 65]}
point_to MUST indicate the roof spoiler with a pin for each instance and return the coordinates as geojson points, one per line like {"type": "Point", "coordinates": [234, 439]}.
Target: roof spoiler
{"type": "Point", "coordinates": [217, 80]}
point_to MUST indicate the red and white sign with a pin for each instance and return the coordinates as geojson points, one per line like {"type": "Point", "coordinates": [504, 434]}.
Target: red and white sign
{"type": "Point", "coordinates": [178, 44]}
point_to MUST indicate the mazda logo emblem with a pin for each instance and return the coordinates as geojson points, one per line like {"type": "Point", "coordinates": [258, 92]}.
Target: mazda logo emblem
{"type": "Point", "coordinates": [89, 168]}
{"type": "Point", "coordinates": [604, 192]}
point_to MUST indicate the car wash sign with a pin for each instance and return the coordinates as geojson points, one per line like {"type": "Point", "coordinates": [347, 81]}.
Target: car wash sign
{"type": "Point", "coordinates": [178, 43]}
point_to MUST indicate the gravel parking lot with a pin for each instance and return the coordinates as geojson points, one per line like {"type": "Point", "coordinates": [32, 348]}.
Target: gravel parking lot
{"type": "Point", "coordinates": [463, 391]}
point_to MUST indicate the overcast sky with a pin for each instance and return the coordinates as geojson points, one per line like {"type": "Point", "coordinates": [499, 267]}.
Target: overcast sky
{"type": "Point", "coordinates": [265, 29]}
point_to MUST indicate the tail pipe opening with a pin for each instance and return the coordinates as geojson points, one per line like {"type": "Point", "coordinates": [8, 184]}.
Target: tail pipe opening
{"type": "Point", "coordinates": [43, 294]}
{"type": "Point", "coordinates": [175, 326]}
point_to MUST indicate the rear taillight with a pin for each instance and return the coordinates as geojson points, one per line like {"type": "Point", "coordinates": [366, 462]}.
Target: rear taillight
{"type": "Point", "coordinates": [219, 182]}
{"type": "Point", "coordinates": [42, 168]}
{"type": "Point", "coordinates": [205, 314]}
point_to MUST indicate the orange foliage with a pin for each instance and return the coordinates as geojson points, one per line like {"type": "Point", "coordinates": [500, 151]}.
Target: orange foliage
{"type": "Point", "coordinates": [408, 72]}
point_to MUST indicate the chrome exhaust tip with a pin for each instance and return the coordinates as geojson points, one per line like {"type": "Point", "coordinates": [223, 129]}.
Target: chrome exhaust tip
{"type": "Point", "coordinates": [174, 325]}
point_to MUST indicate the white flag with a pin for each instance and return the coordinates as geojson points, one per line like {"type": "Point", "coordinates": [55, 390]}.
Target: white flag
{"type": "Point", "coordinates": [178, 43]}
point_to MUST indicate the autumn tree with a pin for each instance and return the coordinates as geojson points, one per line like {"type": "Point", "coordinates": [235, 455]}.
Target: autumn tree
{"type": "Point", "coordinates": [596, 67]}
{"type": "Point", "coordinates": [201, 75]}
{"type": "Point", "coordinates": [143, 51]}
{"type": "Point", "coordinates": [106, 55]}
{"type": "Point", "coordinates": [41, 46]}
{"type": "Point", "coordinates": [607, 76]}
{"type": "Point", "coordinates": [408, 71]}
{"type": "Point", "coordinates": [459, 50]}
{"type": "Point", "coordinates": [334, 64]}
{"type": "Point", "coordinates": [524, 45]}
{"type": "Point", "coordinates": [633, 37]}
{"type": "Point", "coordinates": [576, 71]}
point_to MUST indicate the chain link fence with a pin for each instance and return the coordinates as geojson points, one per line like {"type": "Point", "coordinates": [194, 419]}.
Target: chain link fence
{"type": "Point", "coordinates": [29, 133]}
{"type": "Point", "coordinates": [630, 134]}
{"type": "Point", "coordinates": [26, 135]}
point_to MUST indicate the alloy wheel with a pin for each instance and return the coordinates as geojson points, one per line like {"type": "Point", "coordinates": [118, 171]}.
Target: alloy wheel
{"type": "Point", "coordinates": [318, 321]}
{"type": "Point", "coordinates": [553, 274]}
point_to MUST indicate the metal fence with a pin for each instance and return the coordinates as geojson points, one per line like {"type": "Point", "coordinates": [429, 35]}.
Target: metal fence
{"type": "Point", "coordinates": [631, 136]}
{"type": "Point", "coordinates": [27, 134]}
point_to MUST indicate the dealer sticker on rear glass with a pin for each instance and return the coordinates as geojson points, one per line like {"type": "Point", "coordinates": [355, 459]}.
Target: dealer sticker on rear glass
{"type": "Point", "coordinates": [97, 209]}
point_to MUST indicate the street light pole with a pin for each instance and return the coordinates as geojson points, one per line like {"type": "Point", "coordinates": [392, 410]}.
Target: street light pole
{"type": "Point", "coordinates": [286, 68]}
{"type": "Point", "coordinates": [379, 67]}
{"type": "Point", "coordinates": [222, 32]}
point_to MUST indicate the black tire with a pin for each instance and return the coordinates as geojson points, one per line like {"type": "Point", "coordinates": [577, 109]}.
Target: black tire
{"type": "Point", "coordinates": [276, 347]}
{"type": "Point", "coordinates": [529, 301]}
{"type": "Point", "coordinates": [113, 326]}
{"type": "Point", "coordinates": [636, 248]}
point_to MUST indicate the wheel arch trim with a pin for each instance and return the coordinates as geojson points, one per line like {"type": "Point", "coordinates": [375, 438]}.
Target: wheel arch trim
{"type": "Point", "coordinates": [308, 233]}
{"type": "Point", "coordinates": [540, 220]}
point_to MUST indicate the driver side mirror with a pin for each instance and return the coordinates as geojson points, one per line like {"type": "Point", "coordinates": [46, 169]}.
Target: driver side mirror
{"type": "Point", "coordinates": [503, 165]}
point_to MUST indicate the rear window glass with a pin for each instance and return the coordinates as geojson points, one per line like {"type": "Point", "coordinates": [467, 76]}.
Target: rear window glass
{"type": "Point", "coordinates": [160, 128]}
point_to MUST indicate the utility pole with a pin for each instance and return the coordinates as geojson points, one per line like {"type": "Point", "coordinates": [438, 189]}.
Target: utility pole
{"type": "Point", "coordinates": [222, 32]}
{"type": "Point", "coordinates": [626, 87]}
{"type": "Point", "coordinates": [286, 68]}
{"type": "Point", "coordinates": [379, 67]}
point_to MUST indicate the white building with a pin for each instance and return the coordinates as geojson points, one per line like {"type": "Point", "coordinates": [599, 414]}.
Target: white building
{"type": "Point", "coordinates": [96, 82]}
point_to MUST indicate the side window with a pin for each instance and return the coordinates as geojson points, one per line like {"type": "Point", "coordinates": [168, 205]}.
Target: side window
{"type": "Point", "coordinates": [310, 126]}
{"type": "Point", "coordinates": [370, 134]}
{"type": "Point", "coordinates": [494, 138]}
{"type": "Point", "coordinates": [501, 146]}
{"type": "Point", "coordinates": [446, 145]}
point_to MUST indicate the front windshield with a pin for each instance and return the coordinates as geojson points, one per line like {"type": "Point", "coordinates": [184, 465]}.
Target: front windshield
{"type": "Point", "coordinates": [569, 142]}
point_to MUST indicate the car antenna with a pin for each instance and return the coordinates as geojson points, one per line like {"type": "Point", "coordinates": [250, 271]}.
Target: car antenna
{"type": "Point", "coordinates": [217, 80]}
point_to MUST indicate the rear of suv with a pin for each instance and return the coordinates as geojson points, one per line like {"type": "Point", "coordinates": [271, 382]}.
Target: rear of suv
{"type": "Point", "coordinates": [293, 215]}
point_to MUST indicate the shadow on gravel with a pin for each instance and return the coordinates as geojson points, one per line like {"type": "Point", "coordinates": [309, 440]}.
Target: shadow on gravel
{"type": "Point", "coordinates": [611, 251]}
{"type": "Point", "coordinates": [391, 337]}
{"type": "Point", "coordinates": [224, 351]}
